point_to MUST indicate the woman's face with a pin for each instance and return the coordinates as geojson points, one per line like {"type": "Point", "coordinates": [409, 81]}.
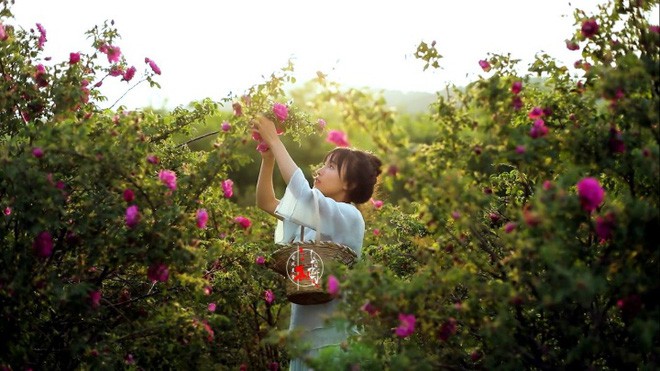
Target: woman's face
{"type": "Point", "coordinates": [329, 181]}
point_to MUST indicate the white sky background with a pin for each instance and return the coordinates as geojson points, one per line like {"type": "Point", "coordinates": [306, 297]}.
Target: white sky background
{"type": "Point", "coordinates": [211, 48]}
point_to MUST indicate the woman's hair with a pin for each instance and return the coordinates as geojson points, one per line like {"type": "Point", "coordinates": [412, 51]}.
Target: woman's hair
{"type": "Point", "coordinates": [360, 172]}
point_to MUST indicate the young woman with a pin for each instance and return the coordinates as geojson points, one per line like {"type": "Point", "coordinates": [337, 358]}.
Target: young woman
{"type": "Point", "coordinates": [346, 179]}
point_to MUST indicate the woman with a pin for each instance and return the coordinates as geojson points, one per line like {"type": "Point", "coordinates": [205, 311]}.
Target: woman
{"type": "Point", "coordinates": [347, 178]}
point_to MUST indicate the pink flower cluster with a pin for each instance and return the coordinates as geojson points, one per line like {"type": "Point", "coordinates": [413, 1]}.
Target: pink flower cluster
{"type": "Point", "coordinates": [42, 36]}
{"type": "Point", "coordinates": [269, 296]}
{"type": "Point", "coordinates": [281, 111]}
{"type": "Point", "coordinates": [158, 272]}
{"type": "Point", "coordinates": [228, 188]}
{"type": "Point", "coordinates": [202, 218]}
{"type": "Point", "coordinates": [244, 222]}
{"type": "Point", "coordinates": [591, 194]}
{"type": "Point", "coordinates": [339, 138]}
{"type": "Point", "coordinates": [168, 177]}
{"type": "Point", "coordinates": [406, 325]}
{"type": "Point", "coordinates": [154, 67]}
{"type": "Point", "coordinates": [333, 285]}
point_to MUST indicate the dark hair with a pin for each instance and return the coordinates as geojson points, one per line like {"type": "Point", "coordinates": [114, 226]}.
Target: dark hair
{"type": "Point", "coordinates": [361, 170]}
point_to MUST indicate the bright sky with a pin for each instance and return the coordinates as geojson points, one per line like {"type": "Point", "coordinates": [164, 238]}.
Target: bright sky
{"type": "Point", "coordinates": [211, 48]}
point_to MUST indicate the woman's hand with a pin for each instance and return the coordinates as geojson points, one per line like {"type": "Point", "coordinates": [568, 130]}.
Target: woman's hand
{"type": "Point", "coordinates": [266, 129]}
{"type": "Point", "coordinates": [267, 155]}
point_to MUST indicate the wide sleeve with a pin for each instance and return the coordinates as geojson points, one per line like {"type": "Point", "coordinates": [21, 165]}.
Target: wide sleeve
{"type": "Point", "coordinates": [336, 221]}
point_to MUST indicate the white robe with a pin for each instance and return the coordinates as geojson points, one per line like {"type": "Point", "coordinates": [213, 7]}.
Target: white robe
{"type": "Point", "coordinates": [340, 222]}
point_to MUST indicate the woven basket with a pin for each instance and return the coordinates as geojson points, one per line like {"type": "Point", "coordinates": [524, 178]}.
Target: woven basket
{"type": "Point", "coordinates": [305, 265]}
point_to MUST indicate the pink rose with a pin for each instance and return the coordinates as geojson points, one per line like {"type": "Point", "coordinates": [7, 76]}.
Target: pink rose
{"type": "Point", "coordinates": [269, 296]}
{"type": "Point", "coordinates": [132, 216]}
{"type": "Point", "coordinates": [406, 325]}
{"type": "Point", "coordinates": [202, 218]}
{"type": "Point", "coordinates": [128, 75]}
{"type": "Point", "coordinates": [484, 65]}
{"type": "Point", "coordinates": [260, 260]}
{"type": "Point", "coordinates": [158, 272]}
{"type": "Point", "coordinates": [604, 227]}
{"type": "Point", "coordinates": [589, 28]}
{"type": "Point", "coordinates": [243, 222]}
{"type": "Point", "coordinates": [377, 203]}
{"type": "Point", "coordinates": [113, 53]}
{"type": "Point", "coordinates": [339, 138]}
{"type": "Point", "coordinates": [212, 307]}
{"type": "Point", "coordinates": [225, 126]}
{"type": "Point", "coordinates": [228, 188]}
{"type": "Point", "coordinates": [3, 33]}
{"type": "Point", "coordinates": [262, 147]}
{"type": "Point", "coordinates": [572, 45]}
{"type": "Point", "coordinates": [37, 152]}
{"type": "Point", "coordinates": [516, 87]}
{"type": "Point", "coordinates": [591, 193]}
{"type": "Point", "coordinates": [535, 113]}
{"type": "Point", "coordinates": [154, 67]}
{"type": "Point", "coordinates": [538, 129]}
{"type": "Point", "coordinates": [129, 196]}
{"type": "Point", "coordinates": [168, 177]}
{"type": "Point", "coordinates": [95, 299]}
{"type": "Point", "coordinates": [281, 111]}
{"type": "Point", "coordinates": [333, 285]}
{"type": "Point", "coordinates": [510, 227]}
{"type": "Point", "coordinates": [321, 123]}
{"type": "Point", "coordinates": [74, 58]}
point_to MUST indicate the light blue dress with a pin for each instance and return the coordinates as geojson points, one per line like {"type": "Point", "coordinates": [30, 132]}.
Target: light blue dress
{"type": "Point", "coordinates": [340, 222]}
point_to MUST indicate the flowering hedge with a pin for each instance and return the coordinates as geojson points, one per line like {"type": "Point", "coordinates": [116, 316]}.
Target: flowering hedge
{"type": "Point", "coordinates": [515, 227]}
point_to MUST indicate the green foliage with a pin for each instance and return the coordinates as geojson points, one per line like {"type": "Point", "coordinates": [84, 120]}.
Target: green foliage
{"type": "Point", "coordinates": [483, 236]}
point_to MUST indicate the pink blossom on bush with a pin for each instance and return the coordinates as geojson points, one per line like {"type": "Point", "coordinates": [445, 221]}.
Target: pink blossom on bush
{"type": "Point", "coordinates": [369, 308]}
{"type": "Point", "coordinates": [339, 138]}
{"type": "Point", "coordinates": [547, 185]}
{"type": "Point", "coordinates": [152, 159]}
{"type": "Point", "coordinates": [589, 28]}
{"type": "Point", "coordinates": [406, 325]}
{"type": "Point", "coordinates": [243, 222]}
{"type": "Point", "coordinates": [520, 149]}
{"type": "Point", "coordinates": [654, 28]}
{"type": "Point", "coordinates": [202, 218]}
{"type": "Point", "coordinates": [538, 129]}
{"type": "Point", "coordinates": [113, 53]}
{"type": "Point", "coordinates": [269, 296]}
{"type": "Point", "coordinates": [376, 232]}
{"type": "Point", "coordinates": [43, 244]}
{"type": "Point", "coordinates": [158, 272]}
{"type": "Point", "coordinates": [591, 193]}
{"type": "Point", "coordinates": [535, 113]}
{"type": "Point", "coordinates": [455, 215]}
{"type": "Point", "coordinates": [238, 110]}
{"type": "Point", "coordinates": [95, 299]}
{"type": "Point", "coordinates": [128, 75]}
{"type": "Point", "coordinates": [321, 123]}
{"type": "Point", "coordinates": [74, 58]}
{"type": "Point", "coordinates": [517, 103]}
{"type": "Point", "coordinates": [484, 65]}
{"type": "Point", "coordinates": [377, 203]}
{"type": "Point", "coordinates": [225, 126]}
{"type": "Point", "coordinates": [510, 227]}
{"type": "Point", "coordinates": [228, 188]}
{"type": "Point", "coordinates": [256, 136]}
{"type": "Point", "coordinates": [168, 177]}
{"type": "Point", "coordinates": [132, 216]}
{"type": "Point", "coordinates": [604, 226]}
{"type": "Point", "coordinates": [333, 285]}
{"type": "Point", "coordinates": [42, 36]}
{"type": "Point", "coordinates": [572, 45]}
{"type": "Point", "coordinates": [281, 111]}
{"type": "Point", "coordinates": [37, 152]}
{"type": "Point", "coordinates": [129, 195]}
{"type": "Point", "coordinates": [7, 211]}
{"type": "Point", "coordinates": [3, 33]}
{"type": "Point", "coordinates": [262, 147]}
{"type": "Point", "coordinates": [516, 87]}
{"type": "Point", "coordinates": [154, 67]}
{"type": "Point", "coordinates": [260, 260]}
{"type": "Point", "coordinates": [447, 329]}
{"type": "Point", "coordinates": [116, 70]}
{"type": "Point", "coordinates": [212, 307]}
{"type": "Point", "coordinates": [40, 76]}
